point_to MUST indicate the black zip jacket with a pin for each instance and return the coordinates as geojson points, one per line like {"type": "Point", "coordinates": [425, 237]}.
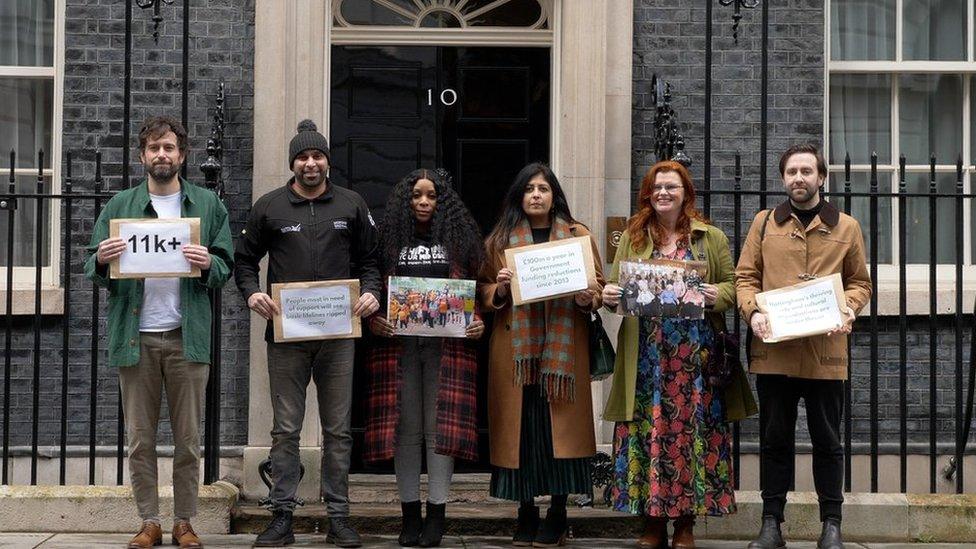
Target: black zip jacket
{"type": "Point", "coordinates": [331, 237]}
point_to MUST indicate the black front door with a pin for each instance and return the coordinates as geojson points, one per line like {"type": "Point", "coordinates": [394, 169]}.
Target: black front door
{"type": "Point", "coordinates": [480, 113]}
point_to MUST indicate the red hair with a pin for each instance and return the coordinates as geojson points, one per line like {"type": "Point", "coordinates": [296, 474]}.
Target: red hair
{"type": "Point", "coordinates": [646, 218]}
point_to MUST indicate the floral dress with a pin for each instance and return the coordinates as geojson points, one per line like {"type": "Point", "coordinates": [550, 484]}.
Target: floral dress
{"type": "Point", "coordinates": [674, 458]}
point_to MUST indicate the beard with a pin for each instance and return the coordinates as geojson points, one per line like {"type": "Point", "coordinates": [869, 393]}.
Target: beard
{"type": "Point", "coordinates": [803, 195]}
{"type": "Point", "coordinates": [163, 171]}
{"type": "Point", "coordinates": [323, 177]}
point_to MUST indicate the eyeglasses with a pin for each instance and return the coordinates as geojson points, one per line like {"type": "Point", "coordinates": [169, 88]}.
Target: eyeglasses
{"type": "Point", "coordinates": [670, 189]}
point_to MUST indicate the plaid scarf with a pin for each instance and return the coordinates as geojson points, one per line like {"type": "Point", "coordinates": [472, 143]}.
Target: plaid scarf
{"type": "Point", "coordinates": [543, 345]}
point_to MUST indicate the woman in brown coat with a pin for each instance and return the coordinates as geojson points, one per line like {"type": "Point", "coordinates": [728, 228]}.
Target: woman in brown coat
{"type": "Point", "coordinates": [540, 413]}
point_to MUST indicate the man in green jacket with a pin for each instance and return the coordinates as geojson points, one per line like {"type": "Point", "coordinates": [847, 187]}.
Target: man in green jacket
{"type": "Point", "coordinates": [159, 328]}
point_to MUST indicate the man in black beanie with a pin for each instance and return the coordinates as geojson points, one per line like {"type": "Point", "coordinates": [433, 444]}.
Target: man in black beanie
{"type": "Point", "coordinates": [311, 230]}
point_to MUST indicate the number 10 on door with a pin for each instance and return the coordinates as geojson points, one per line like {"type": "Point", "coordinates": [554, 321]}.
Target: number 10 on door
{"type": "Point", "coordinates": [448, 97]}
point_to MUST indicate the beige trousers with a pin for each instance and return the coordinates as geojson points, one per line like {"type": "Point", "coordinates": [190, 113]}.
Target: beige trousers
{"type": "Point", "coordinates": [161, 364]}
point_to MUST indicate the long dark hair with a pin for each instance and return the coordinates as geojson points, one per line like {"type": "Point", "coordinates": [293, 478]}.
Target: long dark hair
{"type": "Point", "coordinates": [512, 212]}
{"type": "Point", "coordinates": [451, 225]}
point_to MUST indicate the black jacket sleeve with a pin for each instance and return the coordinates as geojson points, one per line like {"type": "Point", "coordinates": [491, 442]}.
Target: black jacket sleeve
{"type": "Point", "coordinates": [248, 252]}
{"type": "Point", "coordinates": [367, 253]}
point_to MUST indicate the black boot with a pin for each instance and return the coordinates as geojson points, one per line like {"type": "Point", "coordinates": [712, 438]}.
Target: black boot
{"type": "Point", "coordinates": [411, 525]}
{"type": "Point", "coordinates": [830, 536]}
{"type": "Point", "coordinates": [278, 532]}
{"type": "Point", "coordinates": [342, 533]}
{"type": "Point", "coordinates": [770, 536]}
{"type": "Point", "coordinates": [528, 525]}
{"type": "Point", "coordinates": [433, 525]}
{"type": "Point", "coordinates": [552, 531]}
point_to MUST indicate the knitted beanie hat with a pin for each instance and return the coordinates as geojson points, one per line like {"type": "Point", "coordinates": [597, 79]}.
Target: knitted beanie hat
{"type": "Point", "coordinates": [308, 137]}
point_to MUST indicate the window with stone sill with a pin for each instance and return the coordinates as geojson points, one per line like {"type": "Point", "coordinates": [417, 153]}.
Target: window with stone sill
{"type": "Point", "coordinates": [900, 81]}
{"type": "Point", "coordinates": [28, 121]}
{"type": "Point", "coordinates": [443, 14]}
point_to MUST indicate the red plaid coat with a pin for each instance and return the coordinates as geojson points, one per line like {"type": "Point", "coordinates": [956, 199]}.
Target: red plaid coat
{"type": "Point", "coordinates": [457, 407]}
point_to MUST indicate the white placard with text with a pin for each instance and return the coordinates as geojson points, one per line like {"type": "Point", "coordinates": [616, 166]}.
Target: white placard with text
{"type": "Point", "coordinates": [311, 310]}
{"type": "Point", "coordinates": [154, 247]}
{"type": "Point", "coordinates": [806, 309]}
{"type": "Point", "coordinates": [553, 269]}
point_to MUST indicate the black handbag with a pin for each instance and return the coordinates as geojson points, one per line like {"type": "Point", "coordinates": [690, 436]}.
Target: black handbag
{"type": "Point", "coordinates": [723, 359]}
{"type": "Point", "coordinates": [602, 355]}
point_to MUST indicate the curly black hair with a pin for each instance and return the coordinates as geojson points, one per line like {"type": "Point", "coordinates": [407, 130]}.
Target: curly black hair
{"type": "Point", "coordinates": [451, 226]}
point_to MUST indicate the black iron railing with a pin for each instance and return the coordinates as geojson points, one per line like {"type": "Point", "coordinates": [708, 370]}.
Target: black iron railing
{"type": "Point", "coordinates": [67, 202]}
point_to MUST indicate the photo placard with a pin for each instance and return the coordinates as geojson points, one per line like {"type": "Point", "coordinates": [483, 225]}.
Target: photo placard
{"type": "Point", "coordinates": [154, 247]}
{"type": "Point", "coordinates": [430, 307]}
{"type": "Point", "coordinates": [662, 288]}
{"type": "Point", "coordinates": [551, 270]}
{"type": "Point", "coordinates": [316, 310]}
{"type": "Point", "coordinates": [809, 308]}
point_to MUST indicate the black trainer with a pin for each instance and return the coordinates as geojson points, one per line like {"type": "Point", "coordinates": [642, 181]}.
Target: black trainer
{"type": "Point", "coordinates": [412, 523]}
{"type": "Point", "coordinates": [342, 534]}
{"type": "Point", "coordinates": [433, 525]}
{"type": "Point", "coordinates": [527, 526]}
{"type": "Point", "coordinates": [279, 531]}
{"type": "Point", "coordinates": [552, 531]}
{"type": "Point", "coordinates": [830, 536]}
{"type": "Point", "coordinates": [770, 536]}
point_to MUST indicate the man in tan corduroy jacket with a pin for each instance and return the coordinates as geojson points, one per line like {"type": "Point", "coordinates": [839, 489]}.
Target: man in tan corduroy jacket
{"type": "Point", "coordinates": [801, 239]}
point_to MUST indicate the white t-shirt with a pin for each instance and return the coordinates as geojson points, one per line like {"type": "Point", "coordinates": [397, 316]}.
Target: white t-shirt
{"type": "Point", "coordinates": [161, 296]}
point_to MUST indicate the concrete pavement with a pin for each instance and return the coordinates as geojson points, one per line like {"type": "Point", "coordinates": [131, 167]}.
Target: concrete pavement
{"type": "Point", "coordinates": [237, 541]}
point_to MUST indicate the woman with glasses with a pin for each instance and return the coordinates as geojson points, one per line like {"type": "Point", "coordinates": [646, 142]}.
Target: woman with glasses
{"type": "Point", "coordinates": [672, 438]}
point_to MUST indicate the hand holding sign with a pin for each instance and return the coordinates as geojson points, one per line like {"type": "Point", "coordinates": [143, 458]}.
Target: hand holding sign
{"type": "Point", "coordinates": [198, 256]}
{"type": "Point", "coordinates": [109, 250]}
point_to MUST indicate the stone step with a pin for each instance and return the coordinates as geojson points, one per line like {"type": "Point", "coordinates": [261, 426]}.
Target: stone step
{"type": "Point", "coordinates": [463, 519]}
{"type": "Point", "coordinates": [465, 488]}
{"type": "Point", "coordinates": [867, 518]}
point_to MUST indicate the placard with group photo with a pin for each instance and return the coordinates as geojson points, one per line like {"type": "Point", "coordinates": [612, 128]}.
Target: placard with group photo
{"type": "Point", "coordinates": [316, 310]}
{"type": "Point", "coordinates": [809, 308]}
{"type": "Point", "coordinates": [554, 269]}
{"type": "Point", "coordinates": [430, 307]}
{"type": "Point", "coordinates": [662, 288]}
{"type": "Point", "coordinates": [154, 247]}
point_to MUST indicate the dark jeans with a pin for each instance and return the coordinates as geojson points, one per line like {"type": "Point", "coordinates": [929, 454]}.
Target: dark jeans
{"type": "Point", "coordinates": [290, 367]}
{"type": "Point", "coordinates": [824, 400]}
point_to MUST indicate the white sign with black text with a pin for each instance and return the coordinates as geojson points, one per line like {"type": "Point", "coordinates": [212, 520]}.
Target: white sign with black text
{"type": "Point", "coordinates": [802, 310]}
{"type": "Point", "coordinates": [316, 310]}
{"type": "Point", "coordinates": [554, 269]}
{"type": "Point", "coordinates": [154, 247]}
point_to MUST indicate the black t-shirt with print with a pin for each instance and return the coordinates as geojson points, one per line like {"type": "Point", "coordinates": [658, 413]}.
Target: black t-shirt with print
{"type": "Point", "coordinates": [423, 259]}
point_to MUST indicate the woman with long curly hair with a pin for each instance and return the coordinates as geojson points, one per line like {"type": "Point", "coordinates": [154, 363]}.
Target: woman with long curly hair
{"type": "Point", "coordinates": [672, 438]}
{"type": "Point", "coordinates": [540, 413]}
{"type": "Point", "coordinates": [422, 390]}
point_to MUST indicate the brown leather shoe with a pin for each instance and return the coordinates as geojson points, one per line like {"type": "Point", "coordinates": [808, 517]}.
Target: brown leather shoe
{"type": "Point", "coordinates": [150, 534]}
{"type": "Point", "coordinates": [184, 536]}
{"type": "Point", "coordinates": [655, 534]}
{"type": "Point", "coordinates": [684, 536]}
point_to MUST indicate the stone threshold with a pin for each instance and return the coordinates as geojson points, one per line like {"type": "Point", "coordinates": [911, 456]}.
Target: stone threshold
{"type": "Point", "coordinates": [888, 518]}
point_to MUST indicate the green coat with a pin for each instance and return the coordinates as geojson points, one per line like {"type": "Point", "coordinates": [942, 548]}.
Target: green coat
{"type": "Point", "coordinates": [708, 243]}
{"type": "Point", "coordinates": [125, 295]}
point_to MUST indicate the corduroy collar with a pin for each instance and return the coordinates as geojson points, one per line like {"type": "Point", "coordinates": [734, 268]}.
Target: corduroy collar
{"type": "Point", "coordinates": [829, 214]}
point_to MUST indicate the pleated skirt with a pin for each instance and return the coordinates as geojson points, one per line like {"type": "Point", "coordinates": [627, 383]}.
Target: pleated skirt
{"type": "Point", "coordinates": [539, 473]}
